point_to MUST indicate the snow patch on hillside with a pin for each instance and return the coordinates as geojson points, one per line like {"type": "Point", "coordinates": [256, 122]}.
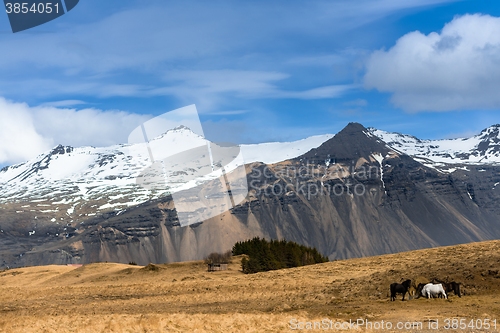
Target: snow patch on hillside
{"type": "Point", "coordinates": [483, 148]}
{"type": "Point", "coordinates": [69, 176]}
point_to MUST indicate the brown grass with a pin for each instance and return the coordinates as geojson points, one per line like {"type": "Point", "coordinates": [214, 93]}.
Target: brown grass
{"type": "Point", "coordinates": [184, 297]}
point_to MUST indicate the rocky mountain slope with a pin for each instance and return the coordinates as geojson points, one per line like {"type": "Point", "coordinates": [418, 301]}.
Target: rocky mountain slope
{"type": "Point", "coordinates": [483, 148]}
{"type": "Point", "coordinates": [361, 192]}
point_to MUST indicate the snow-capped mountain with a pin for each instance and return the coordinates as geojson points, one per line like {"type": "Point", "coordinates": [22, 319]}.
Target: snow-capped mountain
{"type": "Point", "coordinates": [69, 183]}
{"type": "Point", "coordinates": [84, 181]}
{"type": "Point", "coordinates": [360, 192]}
{"type": "Point", "coordinates": [483, 148]}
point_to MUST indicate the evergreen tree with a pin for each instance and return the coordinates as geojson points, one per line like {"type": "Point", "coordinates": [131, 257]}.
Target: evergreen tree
{"type": "Point", "coordinates": [269, 255]}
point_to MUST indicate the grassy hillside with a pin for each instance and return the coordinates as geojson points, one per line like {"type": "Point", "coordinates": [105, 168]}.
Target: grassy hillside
{"type": "Point", "coordinates": [185, 297]}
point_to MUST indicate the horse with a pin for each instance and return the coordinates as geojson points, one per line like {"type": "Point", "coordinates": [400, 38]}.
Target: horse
{"type": "Point", "coordinates": [420, 287]}
{"type": "Point", "coordinates": [431, 290]}
{"type": "Point", "coordinates": [450, 286]}
{"type": "Point", "coordinates": [397, 288]}
{"type": "Point", "coordinates": [417, 284]}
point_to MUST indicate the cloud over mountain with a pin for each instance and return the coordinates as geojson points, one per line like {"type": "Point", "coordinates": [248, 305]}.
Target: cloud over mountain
{"type": "Point", "coordinates": [455, 69]}
{"type": "Point", "coordinates": [19, 139]}
{"type": "Point", "coordinates": [28, 131]}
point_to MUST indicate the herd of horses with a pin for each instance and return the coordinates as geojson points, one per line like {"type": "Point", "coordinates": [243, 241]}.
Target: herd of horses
{"type": "Point", "coordinates": [435, 288]}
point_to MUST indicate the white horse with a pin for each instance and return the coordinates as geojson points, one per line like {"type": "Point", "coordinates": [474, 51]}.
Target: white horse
{"type": "Point", "coordinates": [433, 290]}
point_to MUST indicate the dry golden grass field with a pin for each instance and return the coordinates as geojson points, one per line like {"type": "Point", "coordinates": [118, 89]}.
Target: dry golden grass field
{"type": "Point", "coordinates": [184, 297]}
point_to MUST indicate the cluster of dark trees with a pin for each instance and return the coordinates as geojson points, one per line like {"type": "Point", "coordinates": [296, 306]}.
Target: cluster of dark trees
{"type": "Point", "coordinates": [269, 255]}
{"type": "Point", "coordinates": [218, 258]}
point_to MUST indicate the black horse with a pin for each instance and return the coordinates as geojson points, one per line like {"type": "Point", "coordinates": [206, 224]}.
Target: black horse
{"type": "Point", "coordinates": [419, 288]}
{"type": "Point", "coordinates": [400, 288]}
{"type": "Point", "coordinates": [450, 286]}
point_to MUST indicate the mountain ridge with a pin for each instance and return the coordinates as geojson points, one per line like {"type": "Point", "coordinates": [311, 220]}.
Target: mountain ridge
{"type": "Point", "coordinates": [358, 195]}
{"type": "Point", "coordinates": [482, 148]}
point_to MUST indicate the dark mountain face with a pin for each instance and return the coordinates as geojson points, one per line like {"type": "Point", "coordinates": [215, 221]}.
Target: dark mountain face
{"type": "Point", "coordinates": [42, 164]}
{"type": "Point", "coordinates": [352, 196]}
{"type": "Point", "coordinates": [350, 144]}
{"type": "Point", "coordinates": [490, 141]}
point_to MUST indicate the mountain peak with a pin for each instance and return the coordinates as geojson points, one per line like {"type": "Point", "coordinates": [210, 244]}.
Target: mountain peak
{"type": "Point", "coordinates": [352, 142]}
{"type": "Point", "coordinates": [493, 129]}
{"type": "Point", "coordinates": [61, 150]}
{"type": "Point", "coordinates": [353, 127]}
{"type": "Point", "coordinates": [181, 129]}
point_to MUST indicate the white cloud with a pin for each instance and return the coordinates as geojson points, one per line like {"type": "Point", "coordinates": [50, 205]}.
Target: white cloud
{"type": "Point", "coordinates": [64, 103]}
{"type": "Point", "coordinates": [227, 113]}
{"type": "Point", "coordinates": [147, 34]}
{"type": "Point", "coordinates": [85, 127]}
{"type": "Point", "coordinates": [28, 131]}
{"type": "Point", "coordinates": [456, 69]}
{"type": "Point", "coordinates": [19, 139]}
{"type": "Point", "coordinates": [122, 54]}
{"type": "Point", "coordinates": [357, 102]}
{"type": "Point", "coordinates": [316, 93]}
{"type": "Point", "coordinates": [209, 88]}
{"type": "Point", "coordinates": [220, 81]}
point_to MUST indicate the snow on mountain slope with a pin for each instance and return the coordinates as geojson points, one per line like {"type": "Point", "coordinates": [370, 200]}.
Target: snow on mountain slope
{"type": "Point", "coordinates": [72, 182]}
{"type": "Point", "coordinates": [87, 180]}
{"type": "Point", "coordinates": [84, 171]}
{"type": "Point", "coordinates": [274, 152]}
{"type": "Point", "coordinates": [483, 148]}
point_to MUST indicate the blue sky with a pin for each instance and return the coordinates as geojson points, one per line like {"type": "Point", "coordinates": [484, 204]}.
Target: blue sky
{"type": "Point", "coordinates": [257, 71]}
